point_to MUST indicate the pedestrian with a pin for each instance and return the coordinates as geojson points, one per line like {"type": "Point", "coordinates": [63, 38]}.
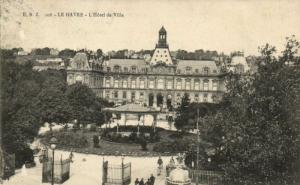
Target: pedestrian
{"type": "Point", "coordinates": [160, 165]}
{"type": "Point", "coordinates": [136, 182]}
{"type": "Point", "coordinates": [152, 179]}
{"type": "Point", "coordinates": [141, 182]}
{"type": "Point", "coordinates": [148, 182]}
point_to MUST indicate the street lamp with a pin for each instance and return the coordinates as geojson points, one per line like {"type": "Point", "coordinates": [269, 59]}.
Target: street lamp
{"type": "Point", "coordinates": [52, 142]}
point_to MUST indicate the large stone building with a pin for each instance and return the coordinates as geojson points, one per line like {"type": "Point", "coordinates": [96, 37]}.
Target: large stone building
{"type": "Point", "coordinates": [160, 82]}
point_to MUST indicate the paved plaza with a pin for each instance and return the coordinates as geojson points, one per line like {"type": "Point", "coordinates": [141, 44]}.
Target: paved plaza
{"type": "Point", "coordinates": [87, 169]}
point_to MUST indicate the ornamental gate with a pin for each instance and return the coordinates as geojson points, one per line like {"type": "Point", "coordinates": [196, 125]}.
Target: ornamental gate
{"type": "Point", "coordinates": [61, 171]}
{"type": "Point", "coordinates": [116, 174]}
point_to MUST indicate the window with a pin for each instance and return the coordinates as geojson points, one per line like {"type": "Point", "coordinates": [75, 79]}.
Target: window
{"type": "Point", "coordinates": [116, 69]}
{"type": "Point", "coordinates": [107, 94]}
{"type": "Point", "coordinates": [143, 70]}
{"type": "Point", "coordinates": [142, 83]}
{"type": "Point", "coordinates": [196, 99]}
{"type": "Point", "coordinates": [116, 94]}
{"type": "Point", "coordinates": [169, 84]}
{"type": "Point", "coordinates": [124, 83]}
{"type": "Point", "coordinates": [178, 84]}
{"type": "Point", "coordinates": [133, 69]}
{"type": "Point", "coordinates": [205, 98]}
{"type": "Point", "coordinates": [151, 84]}
{"type": "Point", "coordinates": [108, 69]}
{"type": "Point", "coordinates": [188, 69]}
{"type": "Point", "coordinates": [196, 70]}
{"type": "Point", "coordinates": [215, 85]}
{"type": "Point", "coordinates": [116, 83]}
{"type": "Point", "coordinates": [141, 95]}
{"type": "Point", "coordinates": [132, 96]}
{"type": "Point", "coordinates": [125, 69]}
{"type": "Point", "coordinates": [205, 70]}
{"type": "Point", "coordinates": [188, 84]}
{"type": "Point", "coordinates": [124, 94]}
{"type": "Point", "coordinates": [160, 84]}
{"type": "Point", "coordinates": [214, 71]}
{"type": "Point", "coordinates": [178, 97]}
{"type": "Point", "coordinates": [205, 85]}
{"type": "Point", "coordinates": [133, 83]}
{"type": "Point", "coordinates": [178, 71]}
{"type": "Point", "coordinates": [107, 82]}
{"type": "Point", "coordinates": [197, 85]}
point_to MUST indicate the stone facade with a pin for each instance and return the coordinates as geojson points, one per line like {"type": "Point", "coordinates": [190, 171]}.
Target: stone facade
{"type": "Point", "coordinates": [159, 82]}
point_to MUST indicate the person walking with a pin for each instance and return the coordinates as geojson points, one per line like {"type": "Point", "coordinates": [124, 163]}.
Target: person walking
{"type": "Point", "coordinates": [142, 182]}
{"type": "Point", "coordinates": [152, 179]}
{"type": "Point", "coordinates": [136, 182]}
{"type": "Point", "coordinates": [148, 182]}
{"type": "Point", "coordinates": [160, 165]}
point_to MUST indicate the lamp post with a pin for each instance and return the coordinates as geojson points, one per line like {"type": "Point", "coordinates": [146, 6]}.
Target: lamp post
{"type": "Point", "coordinates": [122, 168]}
{"type": "Point", "coordinates": [53, 142]}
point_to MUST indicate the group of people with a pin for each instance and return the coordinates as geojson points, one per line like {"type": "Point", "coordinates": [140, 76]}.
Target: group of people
{"type": "Point", "coordinates": [150, 181]}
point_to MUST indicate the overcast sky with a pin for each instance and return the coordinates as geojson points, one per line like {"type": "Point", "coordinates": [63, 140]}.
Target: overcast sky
{"type": "Point", "coordinates": [210, 25]}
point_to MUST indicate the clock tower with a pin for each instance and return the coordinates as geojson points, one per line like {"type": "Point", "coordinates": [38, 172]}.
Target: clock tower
{"type": "Point", "coordinates": [161, 53]}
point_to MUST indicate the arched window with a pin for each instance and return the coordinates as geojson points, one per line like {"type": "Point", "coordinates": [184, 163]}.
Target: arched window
{"type": "Point", "coordinates": [107, 82]}
{"type": "Point", "coordinates": [169, 84]}
{"type": "Point", "coordinates": [197, 84]}
{"type": "Point", "coordinates": [215, 85]}
{"type": "Point", "coordinates": [188, 84]}
{"type": "Point", "coordinates": [116, 83]}
{"type": "Point", "coordinates": [205, 85]}
{"type": "Point", "coordinates": [178, 83]}
{"type": "Point", "coordinates": [124, 83]}
{"type": "Point", "coordinates": [142, 83]}
{"type": "Point", "coordinates": [133, 83]}
{"type": "Point", "coordinates": [160, 84]}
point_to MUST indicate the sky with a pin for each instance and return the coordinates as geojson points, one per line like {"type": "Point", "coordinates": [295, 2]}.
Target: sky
{"type": "Point", "coordinates": [224, 26]}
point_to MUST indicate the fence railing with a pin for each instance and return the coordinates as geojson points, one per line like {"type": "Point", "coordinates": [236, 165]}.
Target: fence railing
{"type": "Point", "coordinates": [116, 174]}
{"type": "Point", "coordinates": [61, 171]}
{"type": "Point", "coordinates": [206, 177]}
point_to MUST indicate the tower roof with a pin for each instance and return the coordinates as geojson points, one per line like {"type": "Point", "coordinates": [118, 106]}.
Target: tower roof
{"type": "Point", "coordinates": [162, 30]}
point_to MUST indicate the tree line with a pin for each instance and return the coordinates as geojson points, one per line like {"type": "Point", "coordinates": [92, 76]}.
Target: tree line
{"type": "Point", "coordinates": [30, 98]}
{"type": "Point", "coordinates": [254, 136]}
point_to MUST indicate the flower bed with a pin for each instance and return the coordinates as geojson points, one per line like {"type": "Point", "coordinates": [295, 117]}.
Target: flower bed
{"type": "Point", "coordinates": [128, 134]}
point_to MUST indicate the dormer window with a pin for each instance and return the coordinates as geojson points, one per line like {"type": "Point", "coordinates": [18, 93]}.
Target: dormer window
{"type": "Point", "coordinates": [133, 69]}
{"type": "Point", "coordinates": [206, 70]}
{"type": "Point", "coordinates": [188, 69]}
{"type": "Point", "coordinates": [116, 68]}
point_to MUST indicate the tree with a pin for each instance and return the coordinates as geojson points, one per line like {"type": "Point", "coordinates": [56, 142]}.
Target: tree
{"type": "Point", "coordinates": [255, 137]}
{"type": "Point", "coordinates": [182, 113]}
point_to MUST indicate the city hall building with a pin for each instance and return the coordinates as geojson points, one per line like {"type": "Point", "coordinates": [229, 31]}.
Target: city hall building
{"type": "Point", "coordinates": [158, 82]}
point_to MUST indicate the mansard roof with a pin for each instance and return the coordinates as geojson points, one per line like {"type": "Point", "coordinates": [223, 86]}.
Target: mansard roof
{"type": "Point", "coordinates": [197, 64]}
{"type": "Point", "coordinates": [125, 62]}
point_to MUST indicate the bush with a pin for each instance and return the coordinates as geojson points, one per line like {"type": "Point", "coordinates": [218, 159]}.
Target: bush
{"type": "Point", "coordinates": [133, 136]}
{"type": "Point", "coordinates": [143, 143]}
{"type": "Point", "coordinates": [69, 139]}
{"type": "Point", "coordinates": [93, 127]}
{"type": "Point", "coordinates": [96, 141]}
{"type": "Point", "coordinates": [179, 145]}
